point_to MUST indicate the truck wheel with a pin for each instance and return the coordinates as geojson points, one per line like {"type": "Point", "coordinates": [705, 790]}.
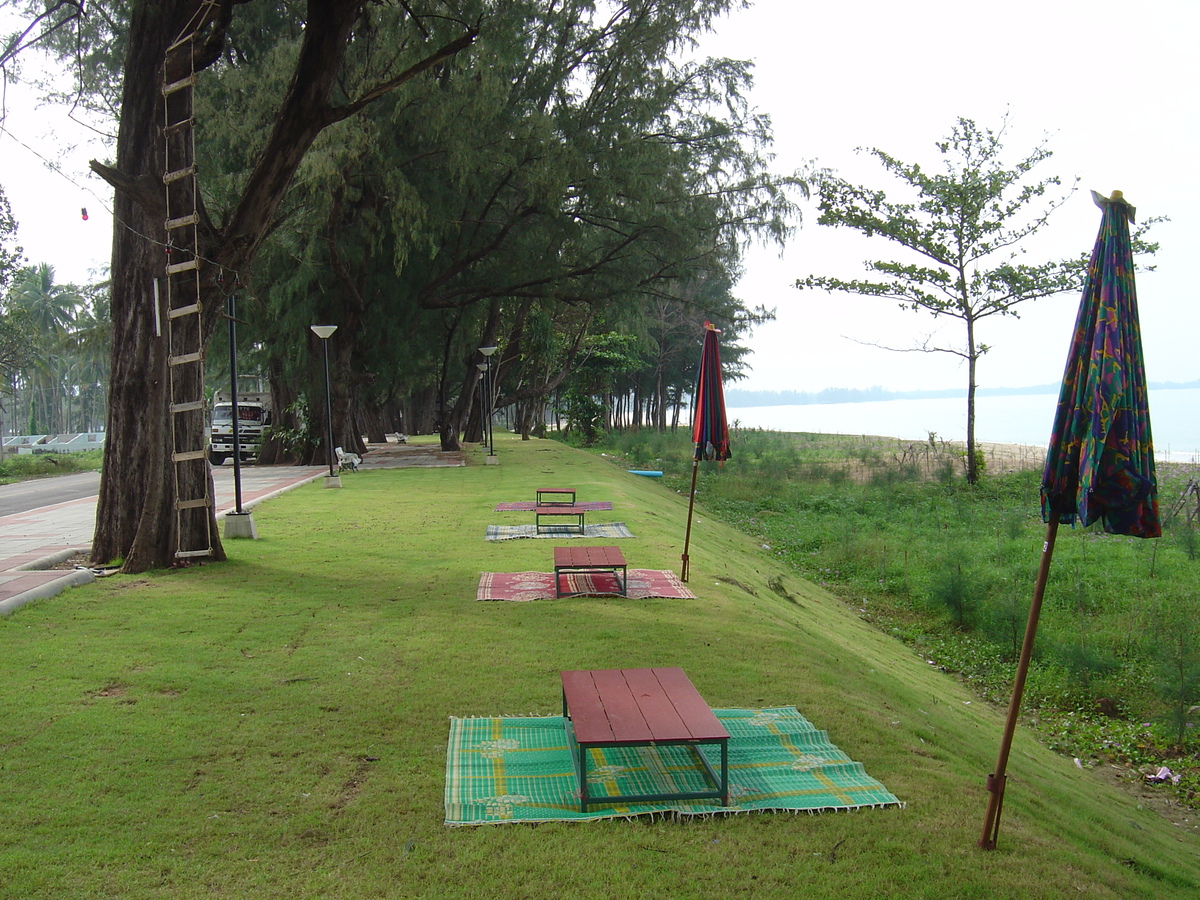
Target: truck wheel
{"type": "Point", "coordinates": [216, 458]}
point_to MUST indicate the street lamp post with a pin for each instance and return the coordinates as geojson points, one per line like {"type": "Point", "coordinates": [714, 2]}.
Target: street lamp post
{"type": "Point", "coordinates": [483, 423]}
{"type": "Point", "coordinates": [491, 436]}
{"type": "Point", "coordinates": [239, 523]}
{"type": "Point", "coordinates": [324, 332]}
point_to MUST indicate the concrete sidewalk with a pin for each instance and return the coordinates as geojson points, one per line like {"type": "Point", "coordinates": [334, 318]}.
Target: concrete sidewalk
{"type": "Point", "coordinates": [33, 541]}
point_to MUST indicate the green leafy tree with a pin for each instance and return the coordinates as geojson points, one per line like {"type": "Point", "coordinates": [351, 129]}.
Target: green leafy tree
{"type": "Point", "coordinates": [963, 230]}
{"type": "Point", "coordinates": [571, 172]}
{"type": "Point", "coordinates": [15, 351]}
{"type": "Point", "coordinates": [1178, 670]}
{"type": "Point", "coordinates": [336, 68]}
{"type": "Point", "coordinates": [49, 311]}
{"type": "Point", "coordinates": [10, 253]}
{"type": "Point", "coordinates": [587, 397]}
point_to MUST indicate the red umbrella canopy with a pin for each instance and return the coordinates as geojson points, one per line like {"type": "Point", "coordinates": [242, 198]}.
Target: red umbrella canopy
{"type": "Point", "coordinates": [1100, 462]}
{"type": "Point", "coordinates": [710, 432]}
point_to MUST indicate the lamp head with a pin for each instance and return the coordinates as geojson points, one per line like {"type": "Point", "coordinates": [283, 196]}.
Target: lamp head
{"type": "Point", "coordinates": [488, 351]}
{"type": "Point", "coordinates": [323, 331]}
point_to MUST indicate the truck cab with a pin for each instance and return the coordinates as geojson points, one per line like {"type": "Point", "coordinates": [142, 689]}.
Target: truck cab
{"type": "Point", "coordinates": [254, 417]}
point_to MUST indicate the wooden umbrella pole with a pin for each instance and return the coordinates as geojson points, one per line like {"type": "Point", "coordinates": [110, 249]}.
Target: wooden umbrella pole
{"type": "Point", "coordinates": [996, 781]}
{"type": "Point", "coordinates": [687, 539]}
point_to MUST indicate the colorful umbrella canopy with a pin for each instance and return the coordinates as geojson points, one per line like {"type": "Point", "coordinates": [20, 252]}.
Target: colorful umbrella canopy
{"type": "Point", "coordinates": [1100, 462]}
{"type": "Point", "coordinates": [710, 431]}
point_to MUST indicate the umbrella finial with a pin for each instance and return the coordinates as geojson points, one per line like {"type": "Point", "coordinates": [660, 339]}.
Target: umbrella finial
{"type": "Point", "coordinates": [1117, 197]}
{"type": "Point", "coordinates": [709, 326]}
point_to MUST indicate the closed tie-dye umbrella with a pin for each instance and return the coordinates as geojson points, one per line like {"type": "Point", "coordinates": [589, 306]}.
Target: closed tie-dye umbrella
{"type": "Point", "coordinates": [1100, 461]}
{"type": "Point", "coordinates": [710, 431]}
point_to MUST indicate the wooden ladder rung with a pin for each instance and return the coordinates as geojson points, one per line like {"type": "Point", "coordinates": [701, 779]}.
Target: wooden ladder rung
{"type": "Point", "coordinates": [186, 455]}
{"type": "Point", "coordinates": [188, 554]}
{"type": "Point", "coordinates": [179, 173]}
{"type": "Point", "coordinates": [183, 221]}
{"type": "Point", "coordinates": [179, 127]}
{"type": "Point", "coordinates": [192, 504]}
{"type": "Point", "coordinates": [189, 310]}
{"type": "Point", "coordinates": [186, 266]}
{"type": "Point", "coordinates": [175, 86]}
{"type": "Point", "coordinates": [189, 406]}
{"type": "Point", "coordinates": [185, 358]}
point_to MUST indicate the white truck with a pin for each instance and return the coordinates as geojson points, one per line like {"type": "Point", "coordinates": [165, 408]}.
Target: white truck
{"type": "Point", "coordinates": [254, 415]}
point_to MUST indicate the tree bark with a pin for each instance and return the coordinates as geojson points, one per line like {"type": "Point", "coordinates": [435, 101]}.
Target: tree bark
{"type": "Point", "coordinates": [135, 513]}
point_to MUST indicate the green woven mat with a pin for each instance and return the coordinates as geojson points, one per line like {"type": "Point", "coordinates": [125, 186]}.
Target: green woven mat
{"type": "Point", "coordinates": [520, 770]}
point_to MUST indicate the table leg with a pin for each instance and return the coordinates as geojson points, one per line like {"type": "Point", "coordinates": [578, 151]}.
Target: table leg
{"type": "Point", "coordinates": [724, 773]}
{"type": "Point", "coordinates": [577, 757]}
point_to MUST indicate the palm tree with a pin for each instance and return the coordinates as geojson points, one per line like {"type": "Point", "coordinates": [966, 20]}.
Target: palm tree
{"type": "Point", "coordinates": [88, 368]}
{"type": "Point", "coordinates": [50, 311]}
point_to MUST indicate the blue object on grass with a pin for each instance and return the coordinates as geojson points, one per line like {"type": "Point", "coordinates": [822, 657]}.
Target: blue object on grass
{"type": "Point", "coordinates": [647, 472]}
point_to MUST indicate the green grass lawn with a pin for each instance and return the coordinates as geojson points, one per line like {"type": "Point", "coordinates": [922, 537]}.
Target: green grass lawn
{"type": "Point", "coordinates": [276, 726]}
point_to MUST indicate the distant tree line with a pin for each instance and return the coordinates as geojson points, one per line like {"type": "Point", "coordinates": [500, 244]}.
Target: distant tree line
{"type": "Point", "coordinates": [561, 182]}
{"type": "Point", "coordinates": [738, 397]}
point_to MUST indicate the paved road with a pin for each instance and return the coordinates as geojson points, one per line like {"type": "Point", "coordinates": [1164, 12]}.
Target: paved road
{"type": "Point", "coordinates": [51, 519]}
{"type": "Point", "coordinates": [26, 495]}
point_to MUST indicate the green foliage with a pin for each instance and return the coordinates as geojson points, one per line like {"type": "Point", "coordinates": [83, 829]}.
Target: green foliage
{"type": "Point", "coordinates": [1178, 665]}
{"type": "Point", "coordinates": [1186, 535]}
{"type": "Point", "coordinates": [570, 173]}
{"type": "Point", "coordinates": [950, 568]}
{"type": "Point", "coordinates": [54, 346]}
{"type": "Point", "coordinates": [952, 587]}
{"type": "Point", "coordinates": [22, 466]}
{"type": "Point", "coordinates": [962, 232]}
{"type": "Point", "coordinates": [294, 440]}
{"type": "Point", "coordinates": [275, 726]}
{"type": "Point", "coordinates": [964, 226]}
{"type": "Point", "coordinates": [585, 416]}
{"type": "Point", "coordinates": [10, 253]}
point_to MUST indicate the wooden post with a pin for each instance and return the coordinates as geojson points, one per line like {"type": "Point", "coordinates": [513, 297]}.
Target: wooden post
{"type": "Point", "coordinates": [687, 538]}
{"type": "Point", "coordinates": [996, 781]}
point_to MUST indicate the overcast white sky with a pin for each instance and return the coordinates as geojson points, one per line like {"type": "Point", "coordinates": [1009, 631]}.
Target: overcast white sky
{"type": "Point", "coordinates": [1111, 83]}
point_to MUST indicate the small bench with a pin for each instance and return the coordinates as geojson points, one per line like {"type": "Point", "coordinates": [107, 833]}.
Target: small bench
{"type": "Point", "coordinates": [641, 708]}
{"type": "Point", "coordinates": [589, 561]}
{"type": "Point", "coordinates": [555, 496]}
{"type": "Point", "coordinates": [347, 461]}
{"type": "Point", "coordinates": [558, 511]}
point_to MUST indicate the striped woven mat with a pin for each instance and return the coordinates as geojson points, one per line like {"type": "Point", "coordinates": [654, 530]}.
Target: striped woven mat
{"type": "Point", "coordinates": [520, 770]}
{"type": "Point", "coordinates": [639, 584]}
{"type": "Point", "coordinates": [511, 532]}
{"type": "Point", "coordinates": [530, 506]}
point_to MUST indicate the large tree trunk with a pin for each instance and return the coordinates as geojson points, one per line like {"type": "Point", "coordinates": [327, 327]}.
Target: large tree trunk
{"type": "Point", "coordinates": [135, 514]}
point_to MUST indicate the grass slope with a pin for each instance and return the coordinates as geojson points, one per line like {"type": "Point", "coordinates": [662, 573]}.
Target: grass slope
{"type": "Point", "coordinates": [276, 726]}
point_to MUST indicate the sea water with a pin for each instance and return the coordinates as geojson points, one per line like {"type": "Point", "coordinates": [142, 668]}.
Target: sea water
{"type": "Point", "coordinates": [1008, 419]}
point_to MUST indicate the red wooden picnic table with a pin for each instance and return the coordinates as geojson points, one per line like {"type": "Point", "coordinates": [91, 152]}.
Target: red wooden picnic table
{"type": "Point", "coordinates": [552, 496]}
{"type": "Point", "coordinates": [558, 511]}
{"type": "Point", "coordinates": [589, 561]}
{"type": "Point", "coordinates": [640, 708]}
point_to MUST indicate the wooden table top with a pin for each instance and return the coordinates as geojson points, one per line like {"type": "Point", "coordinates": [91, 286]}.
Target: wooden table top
{"type": "Point", "coordinates": [609, 706]}
{"type": "Point", "coordinates": [588, 556]}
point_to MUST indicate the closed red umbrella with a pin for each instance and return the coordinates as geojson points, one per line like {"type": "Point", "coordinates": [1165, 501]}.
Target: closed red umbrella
{"type": "Point", "coordinates": [710, 430]}
{"type": "Point", "coordinates": [1100, 461]}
